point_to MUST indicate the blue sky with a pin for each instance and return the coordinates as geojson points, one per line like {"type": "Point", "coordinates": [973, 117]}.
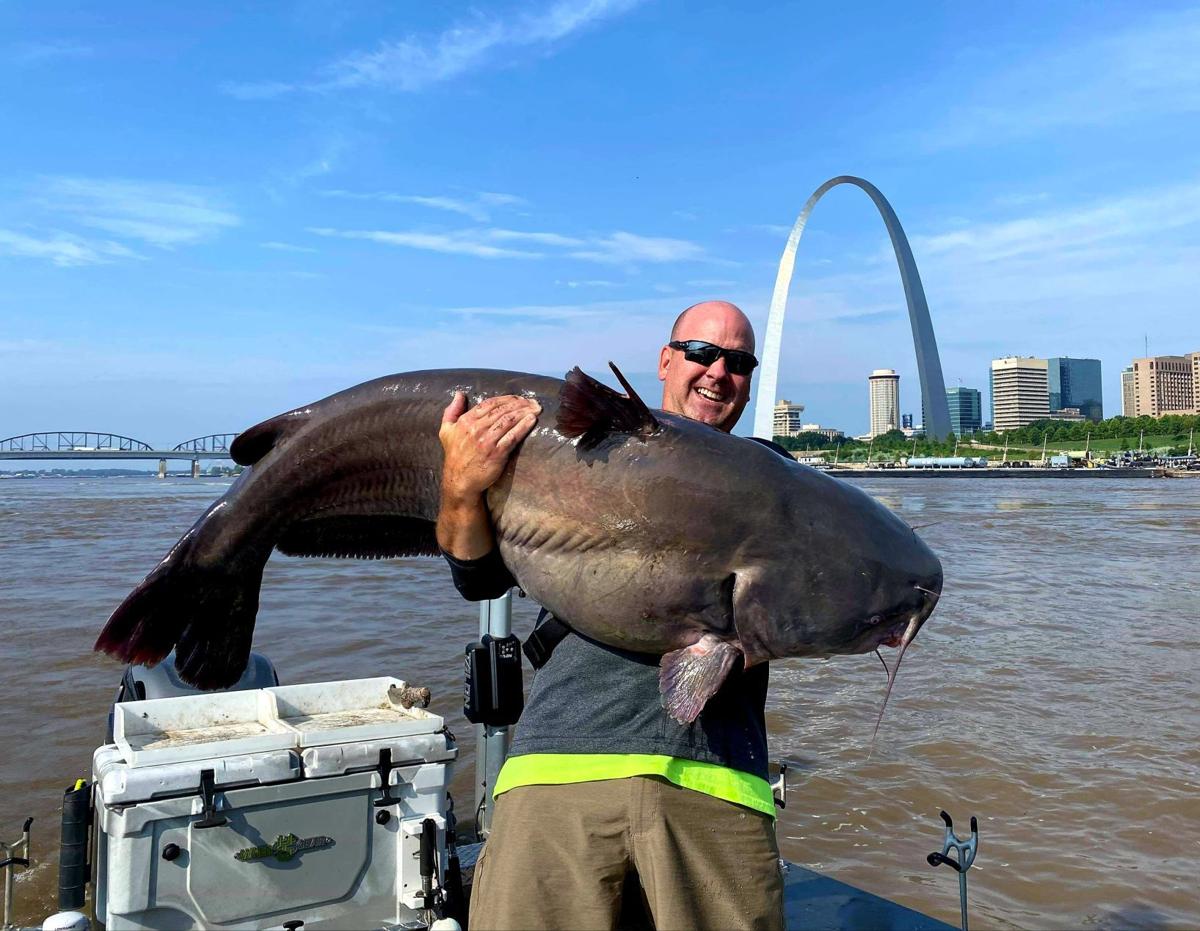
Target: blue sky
{"type": "Point", "coordinates": [210, 215]}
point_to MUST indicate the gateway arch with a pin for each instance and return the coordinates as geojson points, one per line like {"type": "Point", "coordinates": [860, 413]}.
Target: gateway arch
{"type": "Point", "coordinates": [933, 385]}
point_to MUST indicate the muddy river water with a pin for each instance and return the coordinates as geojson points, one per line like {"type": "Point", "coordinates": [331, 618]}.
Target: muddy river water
{"type": "Point", "coordinates": [1053, 695]}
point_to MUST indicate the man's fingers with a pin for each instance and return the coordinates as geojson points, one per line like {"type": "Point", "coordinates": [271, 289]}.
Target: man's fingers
{"type": "Point", "coordinates": [456, 408]}
{"type": "Point", "coordinates": [487, 412]}
{"type": "Point", "coordinates": [503, 422]}
{"type": "Point", "coordinates": [517, 432]}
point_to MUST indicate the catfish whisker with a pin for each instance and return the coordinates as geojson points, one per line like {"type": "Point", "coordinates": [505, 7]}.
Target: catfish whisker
{"type": "Point", "coordinates": [905, 640]}
{"type": "Point", "coordinates": [932, 523]}
{"type": "Point", "coordinates": [927, 591]}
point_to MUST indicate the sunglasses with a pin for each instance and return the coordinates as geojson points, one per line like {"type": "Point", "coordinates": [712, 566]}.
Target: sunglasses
{"type": "Point", "coordinates": [702, 353]}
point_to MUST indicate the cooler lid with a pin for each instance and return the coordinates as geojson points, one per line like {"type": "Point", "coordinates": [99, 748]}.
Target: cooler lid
{"type": "Point", "coordinates": [352, 710]}
{"type": "Point", "coordinates": [203, 726]}
{"type": "Point", "coordinates": [122, 784]}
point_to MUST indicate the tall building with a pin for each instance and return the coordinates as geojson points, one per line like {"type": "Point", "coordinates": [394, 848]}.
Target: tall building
{"type": "Point", "coordinates": [1164, 385]}
{"type": "Point", "coordinates": [788, 420]}
{"type": "Point", "coordinates": [885, 401]}
{"type": "Point", "coordinates": [966, 410]}
{"type": "Point", "coordinates": [1128, 393]}
{"type": "Point", "coordinates": [1020, 392]}
{"type": "Point", "coordinates": [1075, 383]}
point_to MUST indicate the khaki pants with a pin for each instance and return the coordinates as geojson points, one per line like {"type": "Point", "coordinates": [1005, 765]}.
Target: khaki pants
{"type": "Point", "coordinates": [558, 856]}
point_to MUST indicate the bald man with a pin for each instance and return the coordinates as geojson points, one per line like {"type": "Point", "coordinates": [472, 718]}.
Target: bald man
{"type": "Point", "coordinates": [600, 785]}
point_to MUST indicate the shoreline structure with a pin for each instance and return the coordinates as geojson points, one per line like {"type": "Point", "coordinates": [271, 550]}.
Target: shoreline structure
{"type": "Point", "coordinates": [1002, 473]}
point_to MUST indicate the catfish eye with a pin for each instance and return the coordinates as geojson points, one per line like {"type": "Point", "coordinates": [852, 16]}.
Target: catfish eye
{"type": "Point", "coordinates": [874, 619]}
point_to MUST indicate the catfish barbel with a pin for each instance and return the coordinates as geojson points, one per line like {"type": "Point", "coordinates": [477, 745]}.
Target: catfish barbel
{"type": "Point", "coordinates": [641, 529]}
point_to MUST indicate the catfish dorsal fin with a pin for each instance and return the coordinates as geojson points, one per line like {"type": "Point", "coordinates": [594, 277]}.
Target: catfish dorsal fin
{"type": "Point", "coordinates": [251, 445]}
{"type": "Point", "coordinates": [591, 410]}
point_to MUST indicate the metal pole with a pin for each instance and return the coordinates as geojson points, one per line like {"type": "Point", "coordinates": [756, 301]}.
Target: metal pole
{"type": "Point", "coordinates": [8, 894]}
{"type": "Point", "coordinates": [491, 743]}
{"type": "Point", "coordinates": [13, 861]}
{"type": "Point", "coordinates": [962, 897]}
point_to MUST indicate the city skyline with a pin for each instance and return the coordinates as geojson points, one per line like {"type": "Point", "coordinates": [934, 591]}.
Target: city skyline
{"type": "Point", "coordinates": [211, 216]}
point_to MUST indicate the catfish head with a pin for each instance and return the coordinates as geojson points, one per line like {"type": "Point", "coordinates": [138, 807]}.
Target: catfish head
{"type": "Point", "coordinates": [846, 576]}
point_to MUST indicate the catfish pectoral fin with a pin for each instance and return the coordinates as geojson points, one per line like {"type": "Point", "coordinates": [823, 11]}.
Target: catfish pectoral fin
{"type": "Point", "coordinates": [688, 678]}
{"type": "Point", "coordinates": [207, 615]}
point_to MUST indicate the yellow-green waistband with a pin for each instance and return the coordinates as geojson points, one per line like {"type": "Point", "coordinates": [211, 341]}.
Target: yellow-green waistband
{"type": "Point", "coordinates": [721, 782]}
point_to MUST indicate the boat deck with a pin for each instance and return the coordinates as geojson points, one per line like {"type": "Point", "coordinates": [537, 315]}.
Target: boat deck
{"type": "Point", "coordinates": [812, 902]}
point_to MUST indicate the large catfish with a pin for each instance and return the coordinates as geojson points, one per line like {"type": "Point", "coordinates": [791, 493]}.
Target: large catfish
{"type": "Point", "coordinates": [641, 529]}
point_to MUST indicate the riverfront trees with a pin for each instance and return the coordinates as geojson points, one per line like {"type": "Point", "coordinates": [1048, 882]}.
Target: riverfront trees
{"type": "Point", "coordinates": [1114, 435]}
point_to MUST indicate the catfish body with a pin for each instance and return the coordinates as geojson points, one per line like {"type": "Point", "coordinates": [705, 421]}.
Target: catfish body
{"type": "Point", "coordinates": [641, 529]}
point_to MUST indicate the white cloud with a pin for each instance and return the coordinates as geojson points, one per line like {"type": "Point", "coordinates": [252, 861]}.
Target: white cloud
{"type": "Point", "coordinates": [545, 239]}
{"type": "Point", "coordinates": [158, 213]}
{"type": "Point", "coordinates": [1149, 70]}
{"type": "Point", "coordinates": [1071, 233]}
{"type": "Point", "coordinates": [460, 243]}
{"type": "Point", "coordinates": [591, 283]}
{"type": "Point", "coordinates": [476, 209]}
{"type": "Point", "coordinates": [262, 90]}
{"type": "Point", "coordinates": [62, 249]}
{"type": "Point", "coordinates": [32, 53]}
{"type": "Point", "coordinates": [711, 283]}
{"type": "Point", "coordinates": [620, 248]}
{"type": "Point", "coordinates": [623, 248]}
{"type": "Point", "coordinates": [1022, 199]}
{"type": "Point", "coordinates": [497, 199]}
{"type": "Point", "coordinates": [414, 63]}
{"type": "Point", "coordinates": [534, 311]}
{"type": "Point", "coordinates": [286, 247]}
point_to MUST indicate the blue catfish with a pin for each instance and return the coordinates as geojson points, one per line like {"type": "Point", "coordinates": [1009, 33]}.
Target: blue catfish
{"type": "Point", "coordinates": [641, 529]}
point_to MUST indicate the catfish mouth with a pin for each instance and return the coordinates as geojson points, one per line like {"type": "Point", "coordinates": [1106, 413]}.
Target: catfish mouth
{"type": "Point", "coordinates": [899, 626]}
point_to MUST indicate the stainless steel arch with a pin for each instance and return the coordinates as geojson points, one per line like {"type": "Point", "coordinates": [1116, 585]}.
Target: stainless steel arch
{"type": "Point", "coordinates": [929, 367]}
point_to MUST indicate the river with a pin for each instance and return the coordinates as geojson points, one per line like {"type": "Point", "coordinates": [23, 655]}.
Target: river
{"type": "Point", "coordinates": [1053, 694]}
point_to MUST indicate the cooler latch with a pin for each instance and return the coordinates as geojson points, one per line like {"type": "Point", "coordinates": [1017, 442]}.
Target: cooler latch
{"type": "Point", "coordinates": [208, 795]}
{"type": "Point", "coordinates": [385, 772]}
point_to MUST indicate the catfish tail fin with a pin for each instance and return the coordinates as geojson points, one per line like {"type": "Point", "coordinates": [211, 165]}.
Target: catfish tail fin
{"type": "Point", "coordinates": [207, 615]}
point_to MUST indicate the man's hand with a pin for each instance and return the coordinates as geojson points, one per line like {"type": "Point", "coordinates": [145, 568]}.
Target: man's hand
{"type": "Point", "coordinates": [477, 444]}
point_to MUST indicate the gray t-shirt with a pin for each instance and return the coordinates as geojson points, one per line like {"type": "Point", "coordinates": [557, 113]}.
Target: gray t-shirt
{"type": "Point", "coordinates": [593, 698]}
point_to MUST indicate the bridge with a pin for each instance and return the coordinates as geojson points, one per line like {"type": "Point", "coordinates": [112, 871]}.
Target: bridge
{"type": "Point", "coordinates": [92, 445]}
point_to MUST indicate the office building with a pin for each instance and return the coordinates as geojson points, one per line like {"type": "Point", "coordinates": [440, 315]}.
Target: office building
{"type": "Point", "coordinates": [966, 410]}
{"type": "Point", "coordinates": [787, 420]}
{"type": "Point", "coordinates": [1128, 392]}
{"type": "Point", "coordinates": [1164, 385]}
{"type": "Point", "coordinates": [885, 401]}
{"type": "Point", "coordinates": [1020, 392]}
{"type": "Point", "coordinates": [1075, 383]}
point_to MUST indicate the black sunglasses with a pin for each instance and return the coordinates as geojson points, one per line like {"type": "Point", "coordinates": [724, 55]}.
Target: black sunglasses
{"type": "Point", "coordinates": [702, 353]}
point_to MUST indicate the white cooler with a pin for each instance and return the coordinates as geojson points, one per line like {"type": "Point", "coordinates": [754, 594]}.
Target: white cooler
{"type": "Point", "coordinates": [255, 808]}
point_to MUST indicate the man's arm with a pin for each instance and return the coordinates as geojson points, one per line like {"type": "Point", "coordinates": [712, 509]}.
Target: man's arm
{"type": "Point", "coordinates": [477, 444]}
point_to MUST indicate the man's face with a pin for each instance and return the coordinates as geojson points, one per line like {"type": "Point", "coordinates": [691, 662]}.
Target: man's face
{"type": "Point", "coordinates": [711, 394]}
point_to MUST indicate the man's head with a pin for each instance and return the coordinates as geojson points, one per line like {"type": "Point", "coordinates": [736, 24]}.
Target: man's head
{"type": "Point", "coordinates": [709, 393]}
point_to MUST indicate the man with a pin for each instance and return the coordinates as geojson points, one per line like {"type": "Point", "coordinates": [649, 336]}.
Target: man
{"type": "Point", "coordinates": [600, 783]}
